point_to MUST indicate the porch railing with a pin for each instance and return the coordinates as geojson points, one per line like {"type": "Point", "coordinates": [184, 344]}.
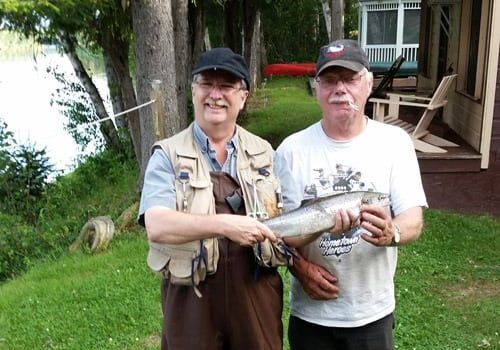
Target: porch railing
{"type": "Point", "coordinates": [388, 53]}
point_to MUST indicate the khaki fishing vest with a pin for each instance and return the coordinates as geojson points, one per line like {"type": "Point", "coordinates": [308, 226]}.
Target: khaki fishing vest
{"type": "Point", "coordinates": [189, 263]}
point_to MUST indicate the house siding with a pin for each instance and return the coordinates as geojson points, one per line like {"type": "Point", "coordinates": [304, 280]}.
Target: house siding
{"type": "Point", "coordinates": [474, 192]}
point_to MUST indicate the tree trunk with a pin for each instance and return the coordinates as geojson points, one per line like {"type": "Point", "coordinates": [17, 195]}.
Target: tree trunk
{"type": "Point", "coordinates": [232, 29]}
{"type": "Point", "coordinates": [249, 17]}
{"type": "Point", "coordinates": [255, 58]}
{"type": "Point", "coordinates": [114, 88]}
{"type": "Point", "coordinates": [117, 50]}
{"type": "Point", "coordinates": [107, 128]}
{"type": "Point", "coordinates": [197, 29]}
{"type": "Point", "coordinates": [337, 20]}
{"type": "Point", "coordinates": [327, 14]}
{"type": "Point", "coordinates": [263, 51]}
{"type": "Point", "coordinates": [155, 60]}
{"type": "Point", "coordinates": [182, 56]}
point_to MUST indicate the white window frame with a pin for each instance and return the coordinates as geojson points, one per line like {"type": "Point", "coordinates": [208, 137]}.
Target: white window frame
{"type": "Point", "coordinates": [388, 53]}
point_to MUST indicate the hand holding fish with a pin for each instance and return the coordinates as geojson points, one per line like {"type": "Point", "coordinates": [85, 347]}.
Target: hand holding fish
{"type": "Point", "coordinates": [335, 213]}
{"type": "Point", "coordinates": [245, 230]}
{"type": "Point", "coordinates": [344, 220]}
{"type": "Point", "coordinates": [377, 223]}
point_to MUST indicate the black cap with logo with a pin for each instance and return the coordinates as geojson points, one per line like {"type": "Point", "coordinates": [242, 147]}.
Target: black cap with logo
{"type": "Point", "coordinates": [342, 53]}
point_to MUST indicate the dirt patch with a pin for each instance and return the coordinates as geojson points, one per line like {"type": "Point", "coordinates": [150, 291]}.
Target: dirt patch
{"type": "Point", "coordinates": [472, 290]}
{"type": "Point", "coordinates": [153, 340]}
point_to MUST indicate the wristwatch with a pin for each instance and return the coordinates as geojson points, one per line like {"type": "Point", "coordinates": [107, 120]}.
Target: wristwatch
{"type": "Point", "coordinates": [397, 236]}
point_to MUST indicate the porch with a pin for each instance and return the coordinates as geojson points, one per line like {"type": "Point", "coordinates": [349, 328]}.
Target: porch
{"type": "Point", "coordinates": [456, 160]}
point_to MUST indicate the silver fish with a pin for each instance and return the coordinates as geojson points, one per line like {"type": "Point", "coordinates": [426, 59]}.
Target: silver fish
{"type": "Point", "coordinates": [318, 215]}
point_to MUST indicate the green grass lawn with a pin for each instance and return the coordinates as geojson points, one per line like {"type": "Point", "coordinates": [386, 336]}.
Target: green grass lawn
{"type": "Point", "coordinates": [447, 283]}
{"type": "Point", "coordinates": [447, 294]}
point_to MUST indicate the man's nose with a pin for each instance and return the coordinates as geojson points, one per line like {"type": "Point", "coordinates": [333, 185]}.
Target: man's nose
{"type": "Point", "coordinates": [215, 91]}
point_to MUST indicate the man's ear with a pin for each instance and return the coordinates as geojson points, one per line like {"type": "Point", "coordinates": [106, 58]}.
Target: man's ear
{"type": "Point", "coordinates": [244, 97]}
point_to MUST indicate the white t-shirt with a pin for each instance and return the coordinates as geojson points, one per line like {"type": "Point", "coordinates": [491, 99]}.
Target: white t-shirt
{"type": "Point", "coordinates": [381, 158]}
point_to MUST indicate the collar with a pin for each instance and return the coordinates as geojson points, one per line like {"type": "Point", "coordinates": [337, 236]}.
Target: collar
{"type": "Point", "coordinates": [203, 142]}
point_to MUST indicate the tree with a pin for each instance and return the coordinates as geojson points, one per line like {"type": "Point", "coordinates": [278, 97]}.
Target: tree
{"type": "Point", "coordinates": [337, 19]}
{"type": "Point", "coordinates": [155, 60]}
{"type": "Point", "coordinates": [280, 23]}
{"type": "Point", "coordinates": [24, 171]}
{"type": "Point", "coordinates": [333, 13]}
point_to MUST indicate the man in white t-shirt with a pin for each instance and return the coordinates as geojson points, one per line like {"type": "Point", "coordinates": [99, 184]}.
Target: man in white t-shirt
{"type": "Point", "coordinates": [342, 292]}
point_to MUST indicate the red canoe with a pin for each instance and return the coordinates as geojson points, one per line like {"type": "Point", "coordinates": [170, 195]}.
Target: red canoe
{"type": "Point", "coordinates": [291, 69]}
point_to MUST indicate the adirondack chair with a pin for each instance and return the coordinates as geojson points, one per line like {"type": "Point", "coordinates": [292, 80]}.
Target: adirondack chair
{"type": "Point", "coordinates": [423, 140]}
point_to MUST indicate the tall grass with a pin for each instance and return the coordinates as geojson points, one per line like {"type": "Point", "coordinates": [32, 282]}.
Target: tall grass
{"type": "Point", "coordinates": [447, 283]}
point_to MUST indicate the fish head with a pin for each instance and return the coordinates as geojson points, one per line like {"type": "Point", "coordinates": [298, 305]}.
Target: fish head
{"type": "Point", "coordinates": [376, 198]}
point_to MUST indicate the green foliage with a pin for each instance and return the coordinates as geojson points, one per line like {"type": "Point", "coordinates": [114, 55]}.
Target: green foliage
{"type": "Point", "coordinates": [101, 185]}
{"type": "Point", "coordinates": [351, 19]}
{"type": "Point", "coordinates": [293, 33]}
{"type": "Point", "coordinates": [24, 171]}
{"type": "Point", "coordinates": [19, 246]}
{"type": "Point", "coordinates": [45, 20]}
{"type": "Point", "coordinates": [74, 103]}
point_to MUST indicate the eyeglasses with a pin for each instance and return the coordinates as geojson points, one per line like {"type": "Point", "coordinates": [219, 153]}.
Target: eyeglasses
{"type": "Point", "coordinates": [223, 87]}
{"type": "Point", "coordinates": [330, 81]}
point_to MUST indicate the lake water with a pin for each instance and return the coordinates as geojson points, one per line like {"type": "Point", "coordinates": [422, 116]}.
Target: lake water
{"type": "Point", "coordinates": [25, 93]}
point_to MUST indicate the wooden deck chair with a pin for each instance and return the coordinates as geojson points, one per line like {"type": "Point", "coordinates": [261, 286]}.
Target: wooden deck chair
{"type": "Point", "coordinates": [423, 140]}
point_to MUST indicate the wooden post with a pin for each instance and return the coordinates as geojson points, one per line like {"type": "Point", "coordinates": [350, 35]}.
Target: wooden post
{"type": "Point", "coordinates": [158, 109]}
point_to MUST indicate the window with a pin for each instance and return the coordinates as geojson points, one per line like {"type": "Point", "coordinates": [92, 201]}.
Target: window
{"type": "Point", "coordinates": [475, 21]}
{"type": "Point", "coordinates": [411, 29]}
{"type": "Point", "coordinates": [382, 27]}
{"type": "Point", "coordinates": [390, 28]}
{"type": "Point", "coordinates": [472, 49]}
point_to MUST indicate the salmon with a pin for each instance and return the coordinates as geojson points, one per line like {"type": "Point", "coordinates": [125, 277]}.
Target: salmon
{"type": "Point", "coordinates": [318, 215]}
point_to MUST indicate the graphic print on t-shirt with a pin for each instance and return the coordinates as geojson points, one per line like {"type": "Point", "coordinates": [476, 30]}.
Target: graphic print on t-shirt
{"type": "Point", "coordinates": [343, 178]}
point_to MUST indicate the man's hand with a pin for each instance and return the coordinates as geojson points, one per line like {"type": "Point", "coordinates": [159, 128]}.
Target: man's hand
{"type": "Point", "coordinates": [344, 220]}
{"type": "Point", "coordinates": [245, 230]}
{"type": "Point", "coordinates": [378, 225]}
{"type": "Point", "coordinates": [316, 281]}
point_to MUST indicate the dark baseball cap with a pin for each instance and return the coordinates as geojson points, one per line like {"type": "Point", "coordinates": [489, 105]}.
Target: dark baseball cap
{"type": "Point", "coordinates": [225, 59]}
{"type": "Point", "coordinates": [342, 53]}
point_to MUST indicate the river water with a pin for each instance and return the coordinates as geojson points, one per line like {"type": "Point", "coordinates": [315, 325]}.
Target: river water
{"type": "Point", "coordinates": [25, 93]}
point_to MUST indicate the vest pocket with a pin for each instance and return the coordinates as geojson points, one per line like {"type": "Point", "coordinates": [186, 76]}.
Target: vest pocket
{"type": "Point", "coordinates": [184, 264]}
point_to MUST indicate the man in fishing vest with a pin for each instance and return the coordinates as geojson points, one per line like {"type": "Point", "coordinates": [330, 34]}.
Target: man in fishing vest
{"type": "Point", "coordinates": [205, 190]}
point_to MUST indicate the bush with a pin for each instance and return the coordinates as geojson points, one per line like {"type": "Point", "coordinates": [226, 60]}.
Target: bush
{"type": "Point", "coordinates": [24, 171]}
{"type": "Point", "coordinates": [19, 245]}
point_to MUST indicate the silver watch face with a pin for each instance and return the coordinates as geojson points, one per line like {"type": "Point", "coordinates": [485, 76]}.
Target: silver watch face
{"type": "Point", "coordinates": [397, 234]}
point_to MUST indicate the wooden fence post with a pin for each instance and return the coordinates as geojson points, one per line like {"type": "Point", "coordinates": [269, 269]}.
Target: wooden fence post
{"type": "Point", "coordinates": [158, 109]}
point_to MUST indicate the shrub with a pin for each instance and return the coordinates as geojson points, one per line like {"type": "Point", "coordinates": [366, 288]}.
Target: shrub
{"type": "Point", "coordinates": [19, 246]}
{"type": "Point", "coordinates": [24, 171]}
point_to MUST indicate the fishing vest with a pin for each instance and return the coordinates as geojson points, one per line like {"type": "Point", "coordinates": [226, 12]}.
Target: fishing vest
{"type": "Point", "coordinates": [189, 263]}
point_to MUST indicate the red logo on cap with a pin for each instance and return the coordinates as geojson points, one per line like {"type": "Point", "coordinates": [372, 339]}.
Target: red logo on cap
{"type": "Point", "coordinates": [334, 52]}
